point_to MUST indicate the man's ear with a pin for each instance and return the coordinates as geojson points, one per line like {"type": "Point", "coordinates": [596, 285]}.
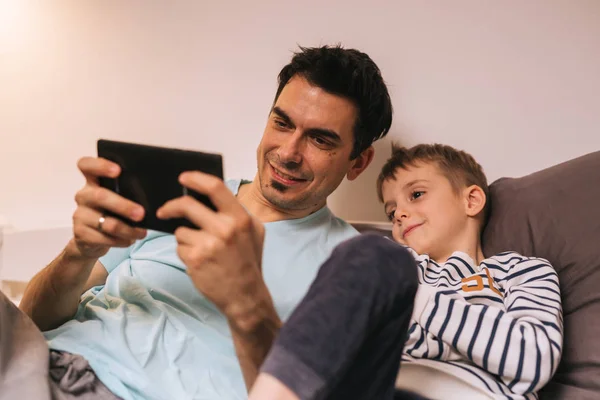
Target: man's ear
{"type": "Point", "coordinates": [474, 200]}
{"type": "Point", "coordinates": [360, 163]}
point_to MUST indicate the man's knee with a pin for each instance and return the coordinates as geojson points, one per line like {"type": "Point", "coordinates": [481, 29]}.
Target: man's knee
{"type": "Point", "coordinates": [375, 258]}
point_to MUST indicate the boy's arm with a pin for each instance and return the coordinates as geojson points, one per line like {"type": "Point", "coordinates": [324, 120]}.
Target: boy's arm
{"type": "Point", "coordinates": [523, 345]}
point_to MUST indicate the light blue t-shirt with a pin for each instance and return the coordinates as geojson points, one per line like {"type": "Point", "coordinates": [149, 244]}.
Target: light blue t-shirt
{"type": "Point", "coordinates": [149, 334]}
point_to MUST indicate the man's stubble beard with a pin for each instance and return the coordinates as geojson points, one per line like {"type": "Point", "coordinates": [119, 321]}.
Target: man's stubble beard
{"type": "Point", "coordinates": [283, 204]}
{"type": "Point", "coordinates": [278, 187]}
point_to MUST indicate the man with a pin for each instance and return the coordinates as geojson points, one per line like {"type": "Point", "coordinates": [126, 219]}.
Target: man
{"type": "Point", "coordinates": [147, 329]}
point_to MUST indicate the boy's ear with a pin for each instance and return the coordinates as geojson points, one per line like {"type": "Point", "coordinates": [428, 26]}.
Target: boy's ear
{"type": "Point", "coordinates": [474, 200]}
{"type": "Point", "coordinates": [360, 163]}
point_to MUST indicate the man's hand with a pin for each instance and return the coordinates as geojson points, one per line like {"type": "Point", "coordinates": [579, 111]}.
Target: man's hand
{"type": "Point", "coordinates": [92, 239]}
{"type": "Point", "coordinates": [224, 261]}
{"type": "Point", "coordinates": [224, 256]}
{"type": "Point", "coordinates": [53, 294]}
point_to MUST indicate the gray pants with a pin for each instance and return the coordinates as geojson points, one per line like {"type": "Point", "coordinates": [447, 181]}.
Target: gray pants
{"type": "Point", "coordinates": [29, 370]}
{"type": "Point", "coordinates": [345, 339]}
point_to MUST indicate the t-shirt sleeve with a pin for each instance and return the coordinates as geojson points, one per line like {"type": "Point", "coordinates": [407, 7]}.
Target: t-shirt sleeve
{"type": "Point", "coordinates": [114, 257]}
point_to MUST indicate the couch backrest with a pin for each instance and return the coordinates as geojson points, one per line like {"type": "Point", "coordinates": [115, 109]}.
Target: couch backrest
{"type": "Point", "coordinates": [555, 214]}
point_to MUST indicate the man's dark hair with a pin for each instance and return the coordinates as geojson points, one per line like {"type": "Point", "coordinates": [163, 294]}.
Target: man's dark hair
{"type": "Point", "coordinates": [351, 74]}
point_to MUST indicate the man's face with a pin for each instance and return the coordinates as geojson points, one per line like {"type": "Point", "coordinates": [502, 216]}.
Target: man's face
{"type": "Point", "coordinates": [305, 150]}
{"type": "Point", "coordinates": [427, 214]}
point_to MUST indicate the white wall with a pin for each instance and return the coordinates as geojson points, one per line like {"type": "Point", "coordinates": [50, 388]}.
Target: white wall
{"type": "Point", "coordinates": [516, 83]}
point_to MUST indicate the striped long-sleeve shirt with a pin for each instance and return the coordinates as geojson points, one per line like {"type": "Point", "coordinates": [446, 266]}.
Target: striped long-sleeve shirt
{"type": "Point", "coordinates": [495, 327]}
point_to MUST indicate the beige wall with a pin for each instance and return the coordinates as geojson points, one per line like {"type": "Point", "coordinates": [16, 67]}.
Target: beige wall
{"type": "Point", "coordinates": [516, 83]}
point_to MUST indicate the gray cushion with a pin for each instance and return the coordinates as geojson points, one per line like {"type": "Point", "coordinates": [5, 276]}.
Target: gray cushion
{"type": "Point", "coordinates": [555, 214]}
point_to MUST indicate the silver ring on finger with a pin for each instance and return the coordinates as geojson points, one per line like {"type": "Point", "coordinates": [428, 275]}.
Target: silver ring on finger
{"type": "Point", "coordinates": [101, 221]}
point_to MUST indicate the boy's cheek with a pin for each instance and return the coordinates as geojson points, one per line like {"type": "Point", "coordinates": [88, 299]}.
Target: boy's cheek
{"type": "Point", "coordinates": [396, 235]}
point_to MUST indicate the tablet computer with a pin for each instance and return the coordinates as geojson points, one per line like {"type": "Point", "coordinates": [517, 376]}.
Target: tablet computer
{"type": "Point", "coordinates": [150, 177]}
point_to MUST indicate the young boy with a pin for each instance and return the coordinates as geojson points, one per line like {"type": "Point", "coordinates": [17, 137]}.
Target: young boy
{"type": "Point", "coordinates": [470, 327]}
{"type": "Point", "coordinates": [492, 324]}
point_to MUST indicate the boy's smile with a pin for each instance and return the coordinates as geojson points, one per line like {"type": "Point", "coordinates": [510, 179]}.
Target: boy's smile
{"type": "Point", "coordinates": [428, 213]}
{"type": "Point", "coordinates": [410, 229]}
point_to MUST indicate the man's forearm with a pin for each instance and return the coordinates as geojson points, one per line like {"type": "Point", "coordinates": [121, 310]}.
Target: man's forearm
{"type": "Point", "coordinates": [52, 296]}
{"type": "Point", "coordinates": [254, 340]}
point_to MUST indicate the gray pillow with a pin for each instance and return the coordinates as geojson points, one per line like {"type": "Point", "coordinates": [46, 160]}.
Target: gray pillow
{"type": "Point", "coordinates": [555, 214]}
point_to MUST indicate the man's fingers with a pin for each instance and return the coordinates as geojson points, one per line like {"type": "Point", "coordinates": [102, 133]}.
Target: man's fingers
{"type": "Point", "coordinates": [111, 226]}
{"type": "Point", "coordinates": [193, 256]}
{"type": "Point", "coordinates": [189, 208]}
{"type": "Point", "coordinates": [199, 247]}
{"type": "Point", "coordinates": [214, 188]}
{"type": "Point", "coordinates": [103, 199]}
{"type": "Point", "coordinates": [187, 236]}
{"type": "Point", "coordinates": [94, 167]}
{"type": "Point", "coordinates": [93, 237]}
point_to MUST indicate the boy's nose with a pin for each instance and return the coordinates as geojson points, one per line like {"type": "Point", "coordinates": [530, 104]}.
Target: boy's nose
{"type": "Point", "coordinates": [399, 215]}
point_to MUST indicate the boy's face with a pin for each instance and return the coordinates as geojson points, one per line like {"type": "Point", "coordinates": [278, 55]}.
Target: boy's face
{"type": "Point", "coordinates": [426, 212]}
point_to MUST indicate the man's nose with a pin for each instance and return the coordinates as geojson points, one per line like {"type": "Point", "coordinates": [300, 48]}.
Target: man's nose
{"type": "Point", "coordinates": [290, 151]}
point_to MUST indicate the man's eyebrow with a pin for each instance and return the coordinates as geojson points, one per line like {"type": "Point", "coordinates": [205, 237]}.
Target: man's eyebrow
{"type": "Point", "coordinates": [283, 115]}
{"type": "Point", "coordinates": [327, 133]}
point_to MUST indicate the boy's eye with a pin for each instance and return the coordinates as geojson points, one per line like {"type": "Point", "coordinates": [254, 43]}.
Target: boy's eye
{"type": "Point", "coordinates": [416, 195]}
{"type": "Point", "coordinates": [391, 215]}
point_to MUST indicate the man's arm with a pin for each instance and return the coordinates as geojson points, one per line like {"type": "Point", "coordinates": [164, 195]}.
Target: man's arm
{"type": "Point", "coordinates": [253, 338]}
{"type": "Point", "coordinates": [270, 388]}
{"type": "Point", "coordinates": [52, 296]}
{"type": "Point", "coordinates": [223, 259]}
{"type": "Point", "coordinates": [521, 345]}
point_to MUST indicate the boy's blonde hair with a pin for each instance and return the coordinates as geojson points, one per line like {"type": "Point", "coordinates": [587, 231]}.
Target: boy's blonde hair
{"type": "Point", "coordinates": [459, 167]}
